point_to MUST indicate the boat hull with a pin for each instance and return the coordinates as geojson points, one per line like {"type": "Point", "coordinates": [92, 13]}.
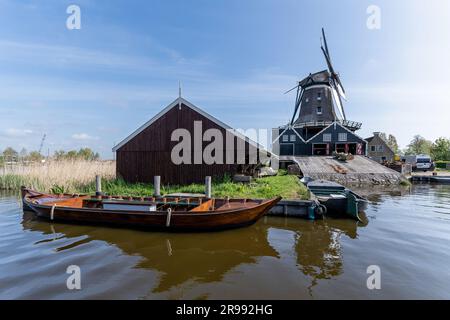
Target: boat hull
{"type": "Point", "coordinates": [338, 200]}
{"type": "Point", "coordinates": [185, 221]}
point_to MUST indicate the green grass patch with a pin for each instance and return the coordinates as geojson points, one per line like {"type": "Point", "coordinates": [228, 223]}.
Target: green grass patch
{"type": "Point", "coordinates": [286, 186]}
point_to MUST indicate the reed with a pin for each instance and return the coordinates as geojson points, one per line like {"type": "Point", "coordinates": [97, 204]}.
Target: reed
{"type": "Point", "coordinates": [79, 177]}
{"type": "Point", "coordinates": [58, 176]}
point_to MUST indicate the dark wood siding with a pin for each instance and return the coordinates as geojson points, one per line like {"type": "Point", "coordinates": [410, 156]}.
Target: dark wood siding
{"type": "Point", "coordinates": [149, 153]}
{"type": "Point", "coordinates": [300, 148]}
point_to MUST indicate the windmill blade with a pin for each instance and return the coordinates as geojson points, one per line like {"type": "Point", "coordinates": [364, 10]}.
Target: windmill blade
{"type": "Point", "coordinates": [337, 102]}
{"type": "Point", "coordinates": [341, 90]}
{"type": "Point", "coordinates": [325, 43]}
{"type": "Point", "coordinates": [334, 75]}
{"type": "Point", "coordinates": [327, 59]}
{"type": "Point", "coordinates": [342, 107]}
{"type": "Point", "coordinates": [298, 102]}
{"type": "Point", "coordinates": [292, 88]}
{"type": "Point", "coordinates": [340, 86]}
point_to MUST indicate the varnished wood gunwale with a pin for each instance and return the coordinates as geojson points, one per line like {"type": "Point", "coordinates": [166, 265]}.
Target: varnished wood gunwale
{"type": "Point", "coordinates": [247, 214]}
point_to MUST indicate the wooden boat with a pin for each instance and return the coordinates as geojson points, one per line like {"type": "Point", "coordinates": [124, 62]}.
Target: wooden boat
{"type": "Point", "coordinates": [337, 199]}
{"type": "Point", "coordinates": [166, 213]}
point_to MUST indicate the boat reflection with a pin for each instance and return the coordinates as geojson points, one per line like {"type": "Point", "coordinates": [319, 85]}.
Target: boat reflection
{"type": "Point", "coordinates": [207, 257]}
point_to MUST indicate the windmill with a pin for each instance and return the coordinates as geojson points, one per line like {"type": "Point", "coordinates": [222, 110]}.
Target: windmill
{"type": "Point", "coordinates": [318, 100]}
{"type": "Point", "coordinates": [330, 82]}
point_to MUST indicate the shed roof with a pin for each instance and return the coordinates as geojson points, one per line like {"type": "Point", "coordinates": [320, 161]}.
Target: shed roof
{"type": "Point", "coordinates": [181, 101]}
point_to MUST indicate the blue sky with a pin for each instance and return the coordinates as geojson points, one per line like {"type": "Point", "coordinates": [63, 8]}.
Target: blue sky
{"type": "Point", "coordinates": [94, 86]}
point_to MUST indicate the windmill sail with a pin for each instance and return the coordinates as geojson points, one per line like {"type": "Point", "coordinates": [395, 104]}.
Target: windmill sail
{"type": "Point", "coordinates": [338, 104]}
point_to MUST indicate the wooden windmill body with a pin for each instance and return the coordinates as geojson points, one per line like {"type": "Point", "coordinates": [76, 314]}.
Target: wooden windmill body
{"type": "Point", "coordinates": [319, 104]}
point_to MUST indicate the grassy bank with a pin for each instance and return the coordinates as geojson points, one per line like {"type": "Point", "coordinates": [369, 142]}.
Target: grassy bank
{"type": "Point", "coordinates": [287, 186]}
{"type": "Point", "coordinates": [79, 177]}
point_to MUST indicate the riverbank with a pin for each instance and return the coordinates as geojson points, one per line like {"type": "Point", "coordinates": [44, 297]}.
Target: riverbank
{"type": "Point", "coordinates": [79, 177]}
{"type": "Point", "coordinates": [286, 186]}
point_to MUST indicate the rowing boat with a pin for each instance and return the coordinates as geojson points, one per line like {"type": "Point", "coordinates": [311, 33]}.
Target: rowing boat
{"type": "Point", "coordinates": [337, 199]}
{"type": "Point", "coordinates": [168, 213]}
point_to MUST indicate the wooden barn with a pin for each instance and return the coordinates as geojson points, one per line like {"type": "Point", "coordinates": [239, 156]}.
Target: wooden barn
{"type": "Point", "coordinates": [149, 150]}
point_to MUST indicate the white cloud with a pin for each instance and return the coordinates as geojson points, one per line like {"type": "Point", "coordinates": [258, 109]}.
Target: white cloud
{"type": "Point", "coordinates": [16, 133]}
{"type": "Point", "coordinates": [83, 136]}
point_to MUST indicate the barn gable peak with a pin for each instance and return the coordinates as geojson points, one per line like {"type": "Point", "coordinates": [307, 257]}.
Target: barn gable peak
{"type": "Point", "coordinates": [179, 102]}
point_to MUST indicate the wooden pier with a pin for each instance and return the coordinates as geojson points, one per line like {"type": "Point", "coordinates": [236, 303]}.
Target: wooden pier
{"type": "Point", "coordinates": [361, 170]}
{"type": "Point", "coordinates": [430, 179]}
{"type": "Point", "coordinates": [291, 208]}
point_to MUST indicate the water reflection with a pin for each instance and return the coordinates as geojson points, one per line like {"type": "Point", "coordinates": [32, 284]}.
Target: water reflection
{"type": "Point", "coordinates": [317, 244]}
{"type": "Point", "coordinates": [408, 237]}
{"type": "Point", "coordinates": [207, 257]}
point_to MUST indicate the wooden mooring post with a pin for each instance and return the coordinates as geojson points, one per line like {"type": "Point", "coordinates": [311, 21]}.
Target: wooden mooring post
{"type": "Point", "coordinates": [157, 186]}
{"type": "Point", "coordinates": [98, 185]}
{"type": "Point", "coordinates": [208, 187]}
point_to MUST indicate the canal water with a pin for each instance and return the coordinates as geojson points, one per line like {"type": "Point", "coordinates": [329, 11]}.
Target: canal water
{"type": "Point", "coordinates": [407, 235]}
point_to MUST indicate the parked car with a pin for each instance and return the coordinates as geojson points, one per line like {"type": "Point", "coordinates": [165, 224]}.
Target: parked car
{"type": "Point", "coordinates": [420, 162]}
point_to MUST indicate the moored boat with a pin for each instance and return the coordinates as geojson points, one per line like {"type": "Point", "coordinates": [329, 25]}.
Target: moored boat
{"type": "Point", "coordinates": [337, 199]}
{"type": "Point", "coordinates": [168, 213]}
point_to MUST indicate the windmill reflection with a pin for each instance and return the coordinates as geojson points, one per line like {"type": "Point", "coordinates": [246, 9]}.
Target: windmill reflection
{"type": "Point", "coordinates": [318, 244]}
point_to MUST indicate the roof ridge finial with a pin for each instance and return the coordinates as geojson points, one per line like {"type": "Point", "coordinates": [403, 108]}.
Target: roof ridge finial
{"type": "Point", "coordinates": [179, 95]}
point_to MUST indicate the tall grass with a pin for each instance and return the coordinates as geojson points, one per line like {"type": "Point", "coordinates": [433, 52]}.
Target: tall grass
{"type": "Point", "coordinates": [67, 176]}
{"type": "Point", "coordinates": [79, 177]}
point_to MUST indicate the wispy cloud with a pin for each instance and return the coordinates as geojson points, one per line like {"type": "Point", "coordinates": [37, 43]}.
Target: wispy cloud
{"type": "Point", "coordinates": [83, 136]}
{"type": "Point", "coordinates": [16, 133]}
{"type": "Point", "coordinates": [78, 58]}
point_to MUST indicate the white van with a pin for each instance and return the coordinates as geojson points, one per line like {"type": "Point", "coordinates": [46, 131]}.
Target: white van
{"type": "Point", "coordinates": [423, 162]}
{"type": "Point", "coordinates": [419, 162]}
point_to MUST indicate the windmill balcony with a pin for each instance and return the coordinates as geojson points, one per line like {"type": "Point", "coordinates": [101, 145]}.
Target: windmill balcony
{"type": "Point", "coordinates": [351, 125]}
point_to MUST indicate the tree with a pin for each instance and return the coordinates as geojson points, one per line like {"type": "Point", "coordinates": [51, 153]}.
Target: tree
{"type": "Point", "coordinates": [59, 154]}
{"type": "Point", "coordinates": [83, 154]}
{"type": "Point", "coordinates": [87, 154]}
{"type": "Point", "coordinates": [440, 150]}
{"type": "Point", "coordinates": [392, 142]}
{"type": "Point", "coordinates": [35, 156]}
{"type": "Point", "coordinates": [419, 145]}
{"type": "Point", "coordinates": [71, 155]}
{"type": "Point", "coordinates": [10, 154]}
{"type": "Point", "coordinates": [23, 154]}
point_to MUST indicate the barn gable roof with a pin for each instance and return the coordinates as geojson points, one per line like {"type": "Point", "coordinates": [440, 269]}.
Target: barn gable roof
{"type": "Point", "coordinates": [178, 102]}
{"type": "Point", "coordinates": [334, 124]}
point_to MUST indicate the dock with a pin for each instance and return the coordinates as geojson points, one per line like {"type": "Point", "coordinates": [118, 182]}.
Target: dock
{"type": "Point", "coordinates": [291, 208]}
{"type": "Point", "coordinates": [359, 171]}
{"type": "Point", "coordinates": [428, 177]}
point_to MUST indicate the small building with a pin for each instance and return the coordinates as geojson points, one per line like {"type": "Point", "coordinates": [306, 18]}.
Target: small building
{"type": "Point", "coordinates": [378, 149]}
{"type": "Point", "coordinates": [154, 148]}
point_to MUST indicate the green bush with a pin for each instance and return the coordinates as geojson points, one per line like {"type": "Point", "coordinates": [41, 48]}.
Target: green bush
{"type": "Point", "coordinates": [442, 164]}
